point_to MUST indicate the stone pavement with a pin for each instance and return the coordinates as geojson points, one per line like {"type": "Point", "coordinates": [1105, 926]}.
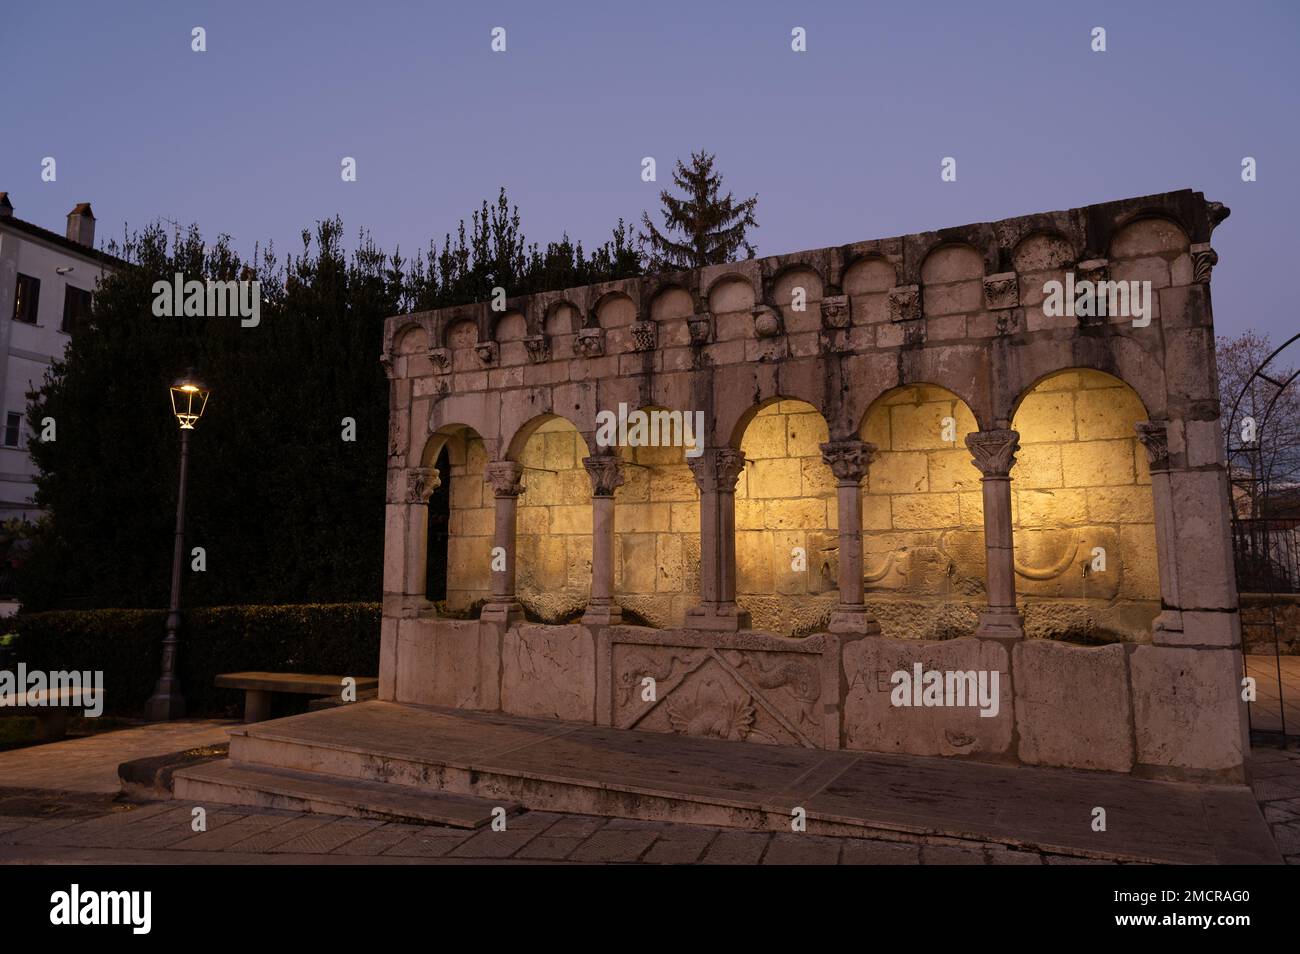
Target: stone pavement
{"type": "Point", "coordinates": [1275, 778]}
{"type": "Point", "coordinates": [1274, 696]}
{"type": "Point", "coordinates": [90, 764]}
{"type": "Point", "coordinates": [160, 833]}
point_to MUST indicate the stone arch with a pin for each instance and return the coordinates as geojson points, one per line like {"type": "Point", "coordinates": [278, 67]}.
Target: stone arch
{"type": "Point", "coordinates": [1122, 358]}
{"type": "Point", "coordinates": [657, 516]}
{"type": "Point", "coordinates": [786, 541]}
{"type": "Point", "coordinates": [922, 514]}
{"type": "Point", "coordinates": [732, 291]}
{"type": "Point", "coordinates": [410, 338]}
{"type": "Point", "coordinates": [1042, 250]}
{"type": "Point", "coordinates": [553, 520]}
{"type": "Point", "coordinates": [509, 330]}
{"type": "Point", "coordinates": [867, 274]}
{"type": "Point", "coordinates": [671, 306]}
{"type": "Point", "coordinates": [1145, 232]}
{"type": "Point", "coordinates": [952, 276]}
{"type": "Point", "coordinates": [781, 294]}
{"type": "Point", "coordinates": [1081, 489]}
{"type": "Point", "coordinates": [459, 454]}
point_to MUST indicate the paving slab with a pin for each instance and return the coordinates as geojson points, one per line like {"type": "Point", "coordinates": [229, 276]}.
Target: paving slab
{"type": "Point", "coordinates": [89, 764]}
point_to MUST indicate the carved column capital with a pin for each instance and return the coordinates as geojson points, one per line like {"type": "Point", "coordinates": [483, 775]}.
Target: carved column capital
{"type": "Point", "coordinates": [717, 470]}
{"type": "Point", "coordinates": [504, 477]}
{"type": "Point", "coordinates": [848, 459]}
{"type": "Point", "coordinates": [994, 451]}
{"type": "Point", "coordinates": [421, 482]}
{"type": "Point", "coordinates": [606, 472]}
{"type": "Point", "coordinates": [1154, 437]}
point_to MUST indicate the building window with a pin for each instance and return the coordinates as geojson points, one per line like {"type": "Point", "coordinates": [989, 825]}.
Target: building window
{"type": "Point", "coordinates": [76, 309]}
{"type": "Point", "coordinates": [27, 299]}
{"type": "Point", "coordinates": [13, 429]}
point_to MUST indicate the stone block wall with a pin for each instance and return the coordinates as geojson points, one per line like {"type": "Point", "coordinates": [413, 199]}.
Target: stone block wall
{"type": "Point", "coordinates": [657, 542]}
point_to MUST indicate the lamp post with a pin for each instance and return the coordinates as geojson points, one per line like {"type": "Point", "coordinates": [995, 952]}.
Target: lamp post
{"type": "Point", "coordinates": [189, 398]}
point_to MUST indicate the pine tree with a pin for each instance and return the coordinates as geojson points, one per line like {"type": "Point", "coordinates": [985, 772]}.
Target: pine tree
{"type": "Point", "coordinates": [711, 228]}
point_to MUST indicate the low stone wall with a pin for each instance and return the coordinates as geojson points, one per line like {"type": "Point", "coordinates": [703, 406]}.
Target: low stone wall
{"type": "Point", "coordinates": [1151, 710]}
{"type": "Point", "coordinates": [1259, 612]}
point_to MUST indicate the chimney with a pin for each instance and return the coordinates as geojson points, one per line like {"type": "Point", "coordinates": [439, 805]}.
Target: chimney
{"type": "Point", "coordinates": [81, 225]}
{"type": "Point", "coordinates": [6, 207]}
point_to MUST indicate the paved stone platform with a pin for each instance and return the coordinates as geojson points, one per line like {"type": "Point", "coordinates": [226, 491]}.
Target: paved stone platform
{"type": "Point", "coordinates": [89, 764]}
{"type": "Point", "coordinates": [566, 767]}
{"type": "Point", "coordinates": [160, 833]}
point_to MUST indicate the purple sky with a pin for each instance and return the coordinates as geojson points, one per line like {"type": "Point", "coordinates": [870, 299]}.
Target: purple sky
{"type": "Point", "coordinates": [841, 143]}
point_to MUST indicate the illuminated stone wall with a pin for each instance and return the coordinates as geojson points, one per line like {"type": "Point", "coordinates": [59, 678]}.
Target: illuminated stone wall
{"type": "Point", "coordinates": [554, 521]}
{"type": "Point", "coordinates": [922, 516]}
{"type": "Point", "coordinates": [657, 541]}
{"type": "Point", "coordinates": [786, 539]}
{"type": "Point", "coordinates": [1086, 564]}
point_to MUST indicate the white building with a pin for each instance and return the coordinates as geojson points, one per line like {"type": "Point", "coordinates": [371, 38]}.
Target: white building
{"type": "Point", "coordinates": [46, 281]}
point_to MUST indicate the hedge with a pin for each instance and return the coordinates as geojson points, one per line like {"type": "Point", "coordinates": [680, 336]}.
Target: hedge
{"type": "Point", "coordinates": [334, 638]}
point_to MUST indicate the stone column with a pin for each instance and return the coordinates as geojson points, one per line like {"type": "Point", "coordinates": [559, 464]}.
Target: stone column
{"type": "Point", "coordinates": [716, 472]}
{"type": "Point", "coordinates": [406, 540]}
{"type": "Point", "coordinates": [606, 472]}
{"type": "Point", "coordinates": [1154, 437]}
{"type": "Point", "coordinates": [994, 454]}
{"type": "Point", "coordinates": [503, 475]}
{"type": "Point", "coordinates": [848, 461]}
{"type": "Point", "coordinates": [1191, 501]}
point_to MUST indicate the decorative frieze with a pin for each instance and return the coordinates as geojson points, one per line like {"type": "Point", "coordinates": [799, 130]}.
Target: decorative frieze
{"type": "Point", "coordinates": [905, 303]}
{"type": "Point", "coordinates": [1001, 291]}
{"type": "Point", "coordinates": [767, 323]}
{"type": "Point", "coordinates": [538, 348]}
{"type": "Point", "coordinates": [836, 311]}
{"type": "Point", "coordinates": [590, 342]}
{"type": "Point", "coordinates": [701, 327]}
{"type": "Point", "coordinates": [440, 358]}
{"type": "Point", "coordinates": [644, 336]}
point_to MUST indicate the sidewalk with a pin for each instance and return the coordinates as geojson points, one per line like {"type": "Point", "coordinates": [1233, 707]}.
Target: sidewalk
{"type": "Point", "coordinates": [90, 764]}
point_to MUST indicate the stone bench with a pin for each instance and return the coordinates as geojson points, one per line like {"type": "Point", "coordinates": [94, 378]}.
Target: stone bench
{"type": "Point", "coordinates": [51, 709]}
{"type": "Point", "coordinates": [259, 686]}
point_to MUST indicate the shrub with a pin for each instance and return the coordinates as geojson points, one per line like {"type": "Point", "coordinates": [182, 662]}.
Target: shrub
{"type": "Point", "coordinates": [334, 638]}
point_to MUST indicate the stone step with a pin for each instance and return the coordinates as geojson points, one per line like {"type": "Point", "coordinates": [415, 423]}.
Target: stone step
{"type": "Point", "coordinates": [569, 767]}
{"type": "Point", "coordinates": [227, 783]}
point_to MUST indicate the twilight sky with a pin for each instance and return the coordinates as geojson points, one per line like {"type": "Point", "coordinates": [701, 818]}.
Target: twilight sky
{"type": "Point", "coordinates": [841, 143]}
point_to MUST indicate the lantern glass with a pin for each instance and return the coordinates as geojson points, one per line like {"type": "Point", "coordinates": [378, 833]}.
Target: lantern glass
{"type": "Point", "coordinates": [189, 398]}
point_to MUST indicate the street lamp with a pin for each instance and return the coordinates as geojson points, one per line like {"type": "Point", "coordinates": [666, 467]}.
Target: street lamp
{"type": "Point", "coordinates": [189, 398]}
